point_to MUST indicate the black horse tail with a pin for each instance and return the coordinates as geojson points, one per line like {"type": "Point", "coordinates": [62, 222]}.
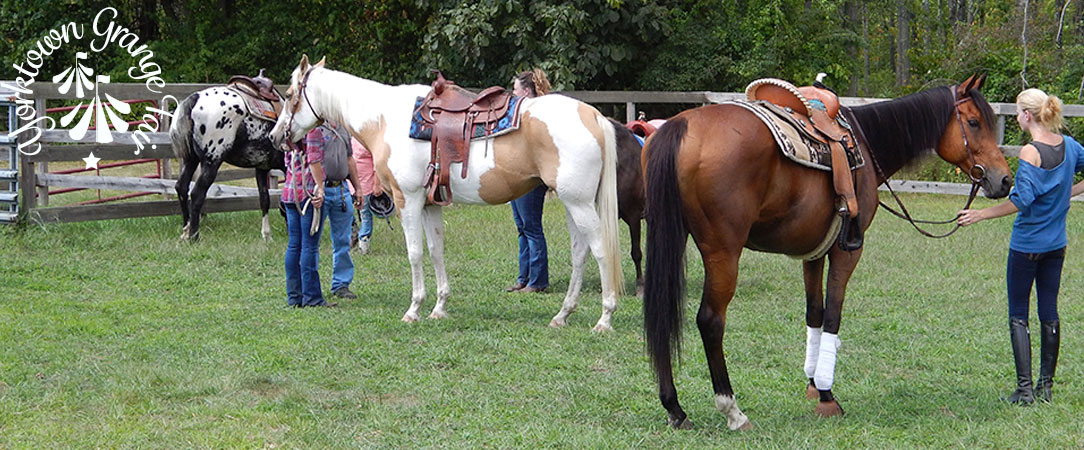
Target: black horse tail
{"type": "Point", "coordinates": [664, 279]}
{"type": "Point", "coordinates": [180, 131]}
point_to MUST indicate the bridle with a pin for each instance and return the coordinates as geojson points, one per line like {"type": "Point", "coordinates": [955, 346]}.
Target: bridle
{"type": "Point", "coordinates": [976, 173]}
{"type": "Point", "coordinates": [297, 107]}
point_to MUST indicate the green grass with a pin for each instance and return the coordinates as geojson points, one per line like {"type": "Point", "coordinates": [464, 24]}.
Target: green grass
{"type": "Point", "coordinates": [117, 335]}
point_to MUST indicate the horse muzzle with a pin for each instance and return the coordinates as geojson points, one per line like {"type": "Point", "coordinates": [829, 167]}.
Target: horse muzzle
{"type": "Point", "coordinates": [996, 185]}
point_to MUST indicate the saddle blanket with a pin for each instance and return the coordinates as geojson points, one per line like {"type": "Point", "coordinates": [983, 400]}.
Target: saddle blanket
{"type": "Point", "coordinates": [794, 144]}
{"type": "Point", "coordinates": [510, 122]}
{"type": "Point", "coordinates": [258, 108]}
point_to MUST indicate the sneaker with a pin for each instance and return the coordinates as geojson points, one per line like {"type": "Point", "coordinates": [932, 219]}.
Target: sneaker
{"type": "Point", "coordinates": [344, 292]}
{"type": "Point", "coordinates": [363, 245]}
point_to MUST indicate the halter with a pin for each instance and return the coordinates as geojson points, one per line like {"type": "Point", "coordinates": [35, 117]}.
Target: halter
{"type": "Point", "coordinates": [975, 180]}
{"type": "Point", "coordinates": [297, 106]}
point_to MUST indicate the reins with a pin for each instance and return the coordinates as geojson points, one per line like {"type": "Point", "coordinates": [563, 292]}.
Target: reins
{"type": "Point", "coordinates": [975, 181]}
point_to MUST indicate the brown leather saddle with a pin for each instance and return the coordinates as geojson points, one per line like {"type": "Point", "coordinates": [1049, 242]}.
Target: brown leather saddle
{"type": "Point", "coordinates": [815, 112]}
{"type": "Point", "coordinates": [455, 114]}
{"type": "Point", "coordinates": [260, 95]}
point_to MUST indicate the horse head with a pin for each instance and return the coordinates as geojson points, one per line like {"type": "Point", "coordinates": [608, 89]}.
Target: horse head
{"type": "Point", "coordinates": [298, 115]}
{"type": "Point", "coordinates": [970, 142]}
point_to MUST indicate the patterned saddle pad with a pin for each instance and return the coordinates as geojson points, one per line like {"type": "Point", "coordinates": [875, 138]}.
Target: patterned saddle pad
{"type": "Point", "coordinates": [794, 143]}
{"type": "Point", "coordinates": [257, 107]}
{"type": "Point", "coordinates": [510, 122]}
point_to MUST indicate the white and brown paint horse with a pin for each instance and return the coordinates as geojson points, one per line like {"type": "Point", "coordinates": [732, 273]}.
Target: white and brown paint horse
{"type": "Point", "coordinates": [561, 142]}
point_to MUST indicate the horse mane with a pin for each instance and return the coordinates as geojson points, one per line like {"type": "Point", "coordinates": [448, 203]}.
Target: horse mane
{"type": "Point", "coordinates": [899, 131]}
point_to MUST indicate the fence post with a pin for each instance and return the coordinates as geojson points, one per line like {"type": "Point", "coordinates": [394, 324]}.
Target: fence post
{"type": "Point", "coordinates": [1000, 130]}
{"type": "Point", "coordinates": [42, 167]}
{"type": "Point", "coordinates": [630, 112]}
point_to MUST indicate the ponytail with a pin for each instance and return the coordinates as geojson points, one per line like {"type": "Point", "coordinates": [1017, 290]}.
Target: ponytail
{"type": "Point", "coordinates": [1046, 109]}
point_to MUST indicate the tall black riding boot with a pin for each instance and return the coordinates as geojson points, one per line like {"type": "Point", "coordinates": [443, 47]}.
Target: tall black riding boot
{"type": "Point", "coordinates": [1048, 359]}
{"type": "Point", "coordinates": [1021, 352]}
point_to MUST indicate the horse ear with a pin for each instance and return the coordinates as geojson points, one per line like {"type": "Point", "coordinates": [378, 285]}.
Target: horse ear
{"type": "Point", "coordinates": [304, 64]}
{"type": "Point", "coordinates": [965, 87]}
{"type": "Point", "coordinates": [321, 63]}
{"type": "Point", "coordinates": [981, 81]}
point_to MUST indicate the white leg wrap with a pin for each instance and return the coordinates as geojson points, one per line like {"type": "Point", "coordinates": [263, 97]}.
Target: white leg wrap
{"type": "Point", "coordinates": [826, 362]}
{"type": "Point", "coordinates": [812, 350]}
{"type": "Point", "coordinates": [729, 407]}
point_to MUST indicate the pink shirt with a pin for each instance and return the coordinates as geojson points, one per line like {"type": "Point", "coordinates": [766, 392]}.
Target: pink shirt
{"type": "Point", "coordinates": [364, 159]}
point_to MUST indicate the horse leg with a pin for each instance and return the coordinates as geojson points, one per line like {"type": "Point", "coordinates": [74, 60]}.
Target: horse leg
{"type": "Point", "coordinates": [720, 280]}
{"type": "Point", "coordinates": [813, 275]}
{"type": "Point", "coordinates": [575, 280]}
{"type": "Point", "coordinates": [265, 202]}
{"type": "Point", "coordinates": [434, 236]}
{"type": "Point", "coordinates": [840, 268]}
{"type": "Point", "coordinates": [207, 174]}
{"type": "Point", "coordinates": [636, 253]}
{"type": "Point", "coordinates": [184, 181]}
{"type": "Point", "coordinates": [587, 220]}
{"type": "Point", "coordinates": [414, 234]}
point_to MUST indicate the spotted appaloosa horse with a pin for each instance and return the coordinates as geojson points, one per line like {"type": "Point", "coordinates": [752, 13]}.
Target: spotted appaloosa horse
{"type": "Point", "coordinates": [210, 127]}
{"type": "Point", "coordinates": [716, 172]}
{"type": "Point", "coordinates": [561, 142]}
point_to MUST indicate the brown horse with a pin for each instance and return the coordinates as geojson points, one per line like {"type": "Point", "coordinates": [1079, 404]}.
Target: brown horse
{"type": "Point", "coordinates": [630, 193]}
{"type": "Point", "coordinates": [716, 172]}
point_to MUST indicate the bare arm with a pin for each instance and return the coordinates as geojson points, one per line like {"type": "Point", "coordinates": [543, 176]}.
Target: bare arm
{"type": "Point", "coordinates": [353, 169]}
{"type": "Point", "coordinates": [317, 169]}
{"type": "Point", "coordinates": [1077, 189]}
{"type": "Point", "coordinates": [970, 216]}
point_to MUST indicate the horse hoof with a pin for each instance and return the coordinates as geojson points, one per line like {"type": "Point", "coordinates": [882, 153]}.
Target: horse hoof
{"type": "Point", "coordinates": [828, 409]}
{"type": "Point", "coordinates": [811, 392]}
{"type": "Point", "coordinates": [600, 328]}
{"type": "Point", "coordinates": [267, 237]}
{"type": "Point", "coordinates": [684, 424]}
{"type": "Point", "coordinates": [557, 323]}
{"type": "Point", "coordinates": [747, 426]}
{"type": "Point", "coordinates": [640, 291]}
{"type": "Point", "coordinates": [440, 315]}
{"type": "Point", "coordinates": [407, 318]}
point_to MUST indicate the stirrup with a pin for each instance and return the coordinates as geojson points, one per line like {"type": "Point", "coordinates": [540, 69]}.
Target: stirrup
{"type": "Point", "coordinates": [850, 232]}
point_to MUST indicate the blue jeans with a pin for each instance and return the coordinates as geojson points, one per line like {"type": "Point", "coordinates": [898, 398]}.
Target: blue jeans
{"type": "Point", "coordinates": [1041, 269]}
{"type": "Point", "coordinates": [533, 258]}
{"type": "Point", "coordinates": [302, 259]}
{"type": "Point", "coordinates": [339, 209]}
{"type": "Point", "coordinates": [366, 228]}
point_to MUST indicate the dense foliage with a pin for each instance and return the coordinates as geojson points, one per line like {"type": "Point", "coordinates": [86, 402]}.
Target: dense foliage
{"type": "Point", "coordinates": [877, 48]}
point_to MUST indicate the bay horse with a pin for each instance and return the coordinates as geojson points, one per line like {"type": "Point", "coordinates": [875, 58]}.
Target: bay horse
{"type": "Point", "coordinates": [630, 193]}
{"type": "Point", "coordinates": [561, 142]}
{"type": "Point", "coordinates": [717, 173]}
{"type": "Point", "coordinates": [211, 127]}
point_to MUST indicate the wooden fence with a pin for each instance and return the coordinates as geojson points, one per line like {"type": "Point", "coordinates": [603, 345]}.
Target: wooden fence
{"type": "Point", "coordinates": [34, 180]}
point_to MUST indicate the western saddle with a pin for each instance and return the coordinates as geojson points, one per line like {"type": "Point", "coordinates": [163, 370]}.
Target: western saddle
{"type": "Point", "coordinates": [259, 88]}
{"type": "Point", "coordinates": [454, 114]}
{"type": "Point", "coordinates": [814, 111]}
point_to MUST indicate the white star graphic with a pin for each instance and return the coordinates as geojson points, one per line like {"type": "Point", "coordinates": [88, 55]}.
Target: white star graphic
{"type": "Point", "coordinates": [92, 161]}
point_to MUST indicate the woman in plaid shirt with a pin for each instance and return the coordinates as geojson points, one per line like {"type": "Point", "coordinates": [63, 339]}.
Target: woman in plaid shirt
{"type": "Point", "coordinates": [302, 194]}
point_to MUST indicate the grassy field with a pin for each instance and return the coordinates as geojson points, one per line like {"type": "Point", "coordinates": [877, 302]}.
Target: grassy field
{"type": "Point", "coordinates": [117, 335]}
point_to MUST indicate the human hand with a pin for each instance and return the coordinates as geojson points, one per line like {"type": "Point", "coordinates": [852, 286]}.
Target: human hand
{"type": "Point", "coordinates": [359, 199]}
{"type": "Point", "coordinates": [969, 216]}
{"type": "Point", "coordinates": [318, 197]}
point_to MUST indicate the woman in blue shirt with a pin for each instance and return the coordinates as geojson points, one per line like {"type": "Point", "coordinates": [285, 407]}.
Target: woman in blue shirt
{"type": "Point", "coordinates": [1044, 184]}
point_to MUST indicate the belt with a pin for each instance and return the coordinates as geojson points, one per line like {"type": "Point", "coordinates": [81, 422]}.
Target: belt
{"type": "Point", "coordinates": [333, 183]}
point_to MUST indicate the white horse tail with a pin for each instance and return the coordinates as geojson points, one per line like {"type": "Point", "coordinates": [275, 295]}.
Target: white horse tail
{"type": "Point", "coordinates": [180, 131]}
{"type": "Point", "coordinates": [606, 201]}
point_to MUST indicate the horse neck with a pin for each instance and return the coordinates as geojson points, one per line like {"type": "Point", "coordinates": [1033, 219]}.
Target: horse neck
{"type": "Point", "coordinates": [347, 100]}
{"type": "Point", "coordinates": [900, 131]}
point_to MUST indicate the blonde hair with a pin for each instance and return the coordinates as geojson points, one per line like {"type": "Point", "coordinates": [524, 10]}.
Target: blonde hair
{"type": "Point", "coordinates": [534, 81]}
{"type": "Point", "coordinates": [1046, 109]}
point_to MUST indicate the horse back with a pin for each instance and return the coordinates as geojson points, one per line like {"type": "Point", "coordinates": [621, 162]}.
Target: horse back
{"type": "Point", "coordinates": [739, 189]}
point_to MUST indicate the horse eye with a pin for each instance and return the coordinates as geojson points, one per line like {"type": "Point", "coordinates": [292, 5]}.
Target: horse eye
{"type": "Point", "coordinates": [974, 123]}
